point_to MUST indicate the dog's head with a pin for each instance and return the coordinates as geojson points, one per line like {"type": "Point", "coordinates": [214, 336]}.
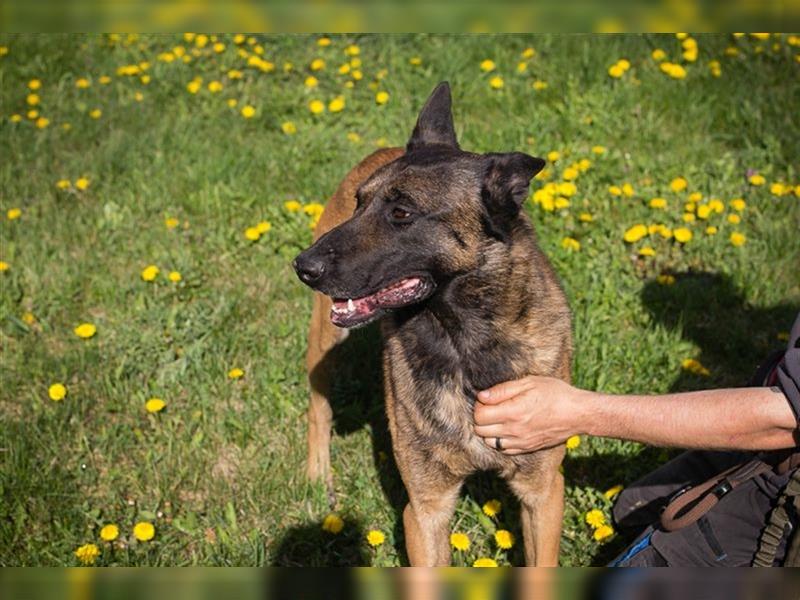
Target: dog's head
{"type": "Point", "coordinates": [420, 221]}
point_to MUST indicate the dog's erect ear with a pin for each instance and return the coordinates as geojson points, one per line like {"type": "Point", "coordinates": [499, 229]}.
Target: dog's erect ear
{"type": "Point", "coordinates": [506, 182]}
{"type": "Point", "coordinates": [435, 121]}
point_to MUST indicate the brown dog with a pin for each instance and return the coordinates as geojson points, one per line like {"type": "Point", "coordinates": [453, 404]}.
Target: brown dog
{"type": "Point", "coordinates": [434, 239]}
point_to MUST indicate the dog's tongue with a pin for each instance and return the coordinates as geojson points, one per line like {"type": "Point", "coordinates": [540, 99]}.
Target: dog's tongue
{"type": "Point", "coordinates": [355, 310]}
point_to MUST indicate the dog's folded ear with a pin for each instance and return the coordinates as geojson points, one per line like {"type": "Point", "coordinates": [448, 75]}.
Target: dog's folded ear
{"type": "Point", "coordinates": [435, 122]}
{"type": "Point", "coordinates": [506, 184]}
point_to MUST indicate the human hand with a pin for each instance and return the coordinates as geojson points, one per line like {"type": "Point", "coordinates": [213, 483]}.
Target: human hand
{"type": "Point", "coordinates": [529, 414]}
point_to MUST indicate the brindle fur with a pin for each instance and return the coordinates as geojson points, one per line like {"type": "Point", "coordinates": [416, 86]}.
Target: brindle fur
{"type": "Point", "coordinates": [498, 313]}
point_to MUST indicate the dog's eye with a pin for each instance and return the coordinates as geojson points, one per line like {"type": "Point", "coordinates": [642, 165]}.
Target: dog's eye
{"type": "Point", "coordinates": [400, 215]}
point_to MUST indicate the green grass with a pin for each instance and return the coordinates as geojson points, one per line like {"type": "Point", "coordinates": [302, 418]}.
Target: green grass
{"type": "Point", "coordinates": [220, 471]}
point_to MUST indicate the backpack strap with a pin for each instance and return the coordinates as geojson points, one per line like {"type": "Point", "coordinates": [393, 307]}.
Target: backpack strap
{"type": "Point", "coordinates": [776, 528]}
{"type": "Point", "coordinates": [689, 506]}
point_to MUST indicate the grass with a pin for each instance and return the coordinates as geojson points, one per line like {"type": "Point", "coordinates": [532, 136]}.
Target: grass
{"type": "Point", "coordinates": [220, 471]}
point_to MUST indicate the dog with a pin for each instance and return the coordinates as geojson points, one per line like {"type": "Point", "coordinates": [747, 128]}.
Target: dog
{"type": "Point", "coordinates": [432, 240]}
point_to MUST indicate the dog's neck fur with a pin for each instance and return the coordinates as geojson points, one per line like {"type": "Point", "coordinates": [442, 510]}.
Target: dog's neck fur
{"type": "Point", "coordinates": [478, 325]}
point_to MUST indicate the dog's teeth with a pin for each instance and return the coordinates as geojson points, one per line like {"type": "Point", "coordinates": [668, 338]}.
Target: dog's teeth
{"type": "Point", "coordinates": [350, 305]}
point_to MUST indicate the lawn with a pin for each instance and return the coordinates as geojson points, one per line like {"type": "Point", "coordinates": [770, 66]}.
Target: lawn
{"type": "Point", "coordinates": [173, 151]}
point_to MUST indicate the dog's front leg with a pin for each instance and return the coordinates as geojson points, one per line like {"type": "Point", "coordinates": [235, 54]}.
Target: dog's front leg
{"type": "Point", "coordinates": [426, 520]}
{"type": "Point", "coordinates": [541, 495]}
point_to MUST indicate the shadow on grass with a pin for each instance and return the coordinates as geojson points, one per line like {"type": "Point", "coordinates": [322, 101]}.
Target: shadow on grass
{"type": "Point", "coordinates": [310, 546]}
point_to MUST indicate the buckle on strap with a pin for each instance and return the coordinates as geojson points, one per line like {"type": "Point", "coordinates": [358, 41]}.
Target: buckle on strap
{"type": "Point", "coordinates": [722, 488]}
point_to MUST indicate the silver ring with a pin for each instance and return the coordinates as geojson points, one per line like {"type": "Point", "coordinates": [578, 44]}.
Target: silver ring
{"type": "Point", "coordinates": [498, 444]}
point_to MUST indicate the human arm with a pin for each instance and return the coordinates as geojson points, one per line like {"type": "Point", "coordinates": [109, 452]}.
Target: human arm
{"type": "Point", "coordinates": [539, 412]}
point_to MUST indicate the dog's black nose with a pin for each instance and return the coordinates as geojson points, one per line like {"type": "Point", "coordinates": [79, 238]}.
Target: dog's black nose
{"type": "Point", "coordinates": [308, 269]}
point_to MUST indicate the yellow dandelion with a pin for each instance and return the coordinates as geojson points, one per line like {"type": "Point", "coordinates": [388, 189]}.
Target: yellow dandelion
{"type": "Point", "coordinates": [193, 86]}
{"type": "Point", "coordinates": [263, 226]}
{"type": "Point", "coordinates": [332, 523]}
{"type": "Point", "coordinates": [492, 507]}
{"type": "Point", "coordinates": [682, 235]}
{"type": "Point", "coordinates": [484, 563]}
{"type": "Point", "coordinates": [144, 531]}
{"type": "Point", "coordinates": [627, 190]}
{"type": "Point", "coordinates": [658, 203]}
{"type": "Point", "coordinates": [570, 244]}
{"type": "Point", "coordinates": [616, 71]}
{"type": "Point", "coordinates": [171, 222]}
{"type": "Point", "coordinates": [336, 105]}
{"type": "Point", "coordinates": [324, 41]}
{"type": "Point", "coordinates": [109, 533]}
{"type": "Point", "coordinates": [496, 82]}
{"type": "Point", "coordinates": [595, 518]}
{"type": "Point", "coordinates": [375, 537]}
{"type": "Point", "coordinates": [573, 442]}
{"type": "Point", "coordinates": [252, 234]}
{"type": "Point", "coordinates": [174, 276]}
{"type": "Point", "coordinates": [459, 541]}
{"type": "Point", "coordinates": [382, 97]}
{"type": "Point", "coordinates": [711, 230]}
{"type": "Point", "coordinates": [214, 87]}
{"type": "Point", "coordinates": [13, 213]}
{"type": "Point", "coordinates": [647, 251]}
{"type": "Point", "coordinates": [85, 330]}
{"type": "Point", "coordinates": [57, 392]}
{"type": "Point", "coordinates": [82, 184]}
{"type": "Point", "coordinates": [738, 239]}
{"type": "Point", "coordinates": [658, 55]}
{"type": "Point", "coordinates": [570, 173]}
{"type": "Point", "coordinates": [415, 61]}
{"type": "Point", "coordinates": [288, 128]}
{"type": "Point", "coordinates": [311, 82]}
{"type": "Point", "coordinates": [585, 217]}
{"type": "Point", "coordinates": [603, 532]}
{"type": "Point", "coordinates": [539, 85]}
{"type": "Point", "coordinates": [154, 405]}
{"type": "Point", "coordinates": [149, 273]}
{"type": "Point", "coordinates": [29, 318]}
{"type": "Point", "coordinates": [316, 106]}
{"type": "Point", "coordinates": [665, 279]}
{"type": "Point", "coordinates": [756, 180]}
{"type": "Point", "coordinates": [317, 64]}
{"type": "Point", "coordinates": [87, 554]}
{"type": "Point", "coordinates": [504, 539]}
{"type": "Point", "coordinates": [232, 102]}
{"type": "Point", "coordinates": [528, 53]}
{"type": "Point", "coordinates": [292, 205]}
{"type": "Point", "coordinates": [635, 233]}
{"type": "Point", "coordinates": [352, 50]}
{"type": "Point", "coordinates": [678, 184]}
{"type": "Point", "coordinates": [738, 204]}
{"type": "Point", "coordinates": [598, 149]}
{"type": "Point", "coordinates": [248, 112]}
{"type": "Point", "coordinates": [34, 84]}
{"type": "Point", "coordinates": [487, 65]}
{"type": "Point", "coordinates": [82, 83]}
{"type": "Point", "coordinates": [235, 373]}
{"type": "Point", "coordinates": [95, 113]}
{"type": "Point", "coordinates": [32, 99]}
{"type": "Point", "coordinates": [694, 366]}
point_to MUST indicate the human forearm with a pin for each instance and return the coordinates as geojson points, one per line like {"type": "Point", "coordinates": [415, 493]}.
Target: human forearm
{"type": "Point", "coordinates": [736, 418]}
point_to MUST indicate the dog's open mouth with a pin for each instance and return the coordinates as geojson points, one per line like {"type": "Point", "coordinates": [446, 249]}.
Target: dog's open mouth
{"type": "Point", "coordinates": [357, 311]}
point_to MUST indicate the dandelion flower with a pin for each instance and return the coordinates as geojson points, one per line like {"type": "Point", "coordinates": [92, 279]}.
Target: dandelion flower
{"type": "Point", "coordinates": [82, 184]}
{"type": "Point", "coordinates": [573, 442]}
{"type": "Point", "coordinates": [635, 233]}
{"type": "Point", "coordinates": [539, 85]}
{"type": "Point", "coordinates": [34, 84]}
{"type": "Point", "coordinates": [336, 105]}
{"type": "Point", "coordinates": [665, 279]}
{"type": "Point", "coordinates": [149, 273]}
{"type": "Point", "coordinates": [738, 239]}
{"type": "Point", "coordinates": [487, 65]}
{"type": "Point", "coordinates": [324, 41]}
{"type": "Point", "coordinates": [85, 330]}
{"type": "Point", "coordinates": [492, 507]}
{"type": "Point", "coordinates": [235, 373]}
{"type": "Point", "coordinates": [485, 562]}
{"type": "Point", "coordinates": [13, 213]}
{"type": "Point", "coordinates": [82, 83]}
{"type": "Point", "coordinates": [4, 266]}
{"type": "Point", "coordinates": [658, 55]}
{"type": "Point", "coordinates": [252, 234]}
{"type": "Point", "coordinates": [678, 184]}
{"type": "Point", "coordinates": [263, 226]}
{"type": "Point", "coordinates": [32, 99]}
{"type": "Point", "coordinates": [174, 276]}
{"type": "Point", "coordinates": [352, 50]}
{"type": "Point", "coordinates": [571, 244]}
{"type": "Point", "coordinates": [603, 532]}
{"type": "Point", "coordinates": [496, 82]}
{"type": "Point", "coordinates": [627, 190]}
{"type": "Point", "coordinates": [734, 219]}
{"type": "Point", "coordinates": [694, 366]}
{"type": "Point", "coordinates": [87, 554]}
{"type": "Point", "coordinates": [595, 518]}
{"type": "Point", "coordinates": [109, 533]}
{"type": "Point", "coordinates": [616, 71]}
{"type": "Point", "coordinates": [415, 61]}
{"type": "Point", "coordinates": [332, 523]}
{"type": "Point", "coordinates": [459, 541]}
{"type": "Point", "coordinates": [711, 230]}
{"type": "Point", "coordinates": [63, 184]}
{"type": "Point", "coordinates": [756, 180]}
{"type": "Point", "coordinates": [154, 405]}
{"type": "Point", "coordinates": [585, 217]}
{"type": "Point", "coordinates": [288, 128]}
{"type": "Point", "coordinates": [658, 203]}
{"type": "Point", "coordinates": [316, 106]}
{"type": "Point", "coordinates": [612, 492]}
{"type": "Point", "coordinates": [738, 204]}
{"type": "Point", "coordinates": [504, 539]}
{"type": "Point", "coordinates": [214, 87]}
{"type": "Point", "coordinates": [96, 113]}
{"type": "Point", "coordinates": [375, 537]}
{"type": "Point", "coordinates": [382, 97]}
{"type": "Point", "coordinates": [144, 531]}
{"type": "Point", "coordinates": [29, 318]}
{"type": "Point", "coordinates": [193, 86]}
{"type": "Point", "coordinates": [703, 211]}
{"type": "Point", "coordinates": [317, 64]}
{"type": "Point", "coordinates": [292, 205]}
{"type": "Point", "coordinates": [682, 235]}
{"type": "Point", "coordinates": [647, 251]}
{"type": "Point", "coordinates": [57, 392]}
{"type": "Point", "coordinates": [248, 112]}
{"type": "Point", "coordinates": [171, 222]}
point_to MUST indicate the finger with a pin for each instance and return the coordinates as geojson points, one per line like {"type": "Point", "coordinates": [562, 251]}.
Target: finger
{"type": "Point", "coordinates": [493, 415]}
{"type": "Point", "coordinates": [504, 442]}
{"type": "Point", "coordinates": [492, 431]}
{"type": "Point", "coordinates": [504, 391]}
